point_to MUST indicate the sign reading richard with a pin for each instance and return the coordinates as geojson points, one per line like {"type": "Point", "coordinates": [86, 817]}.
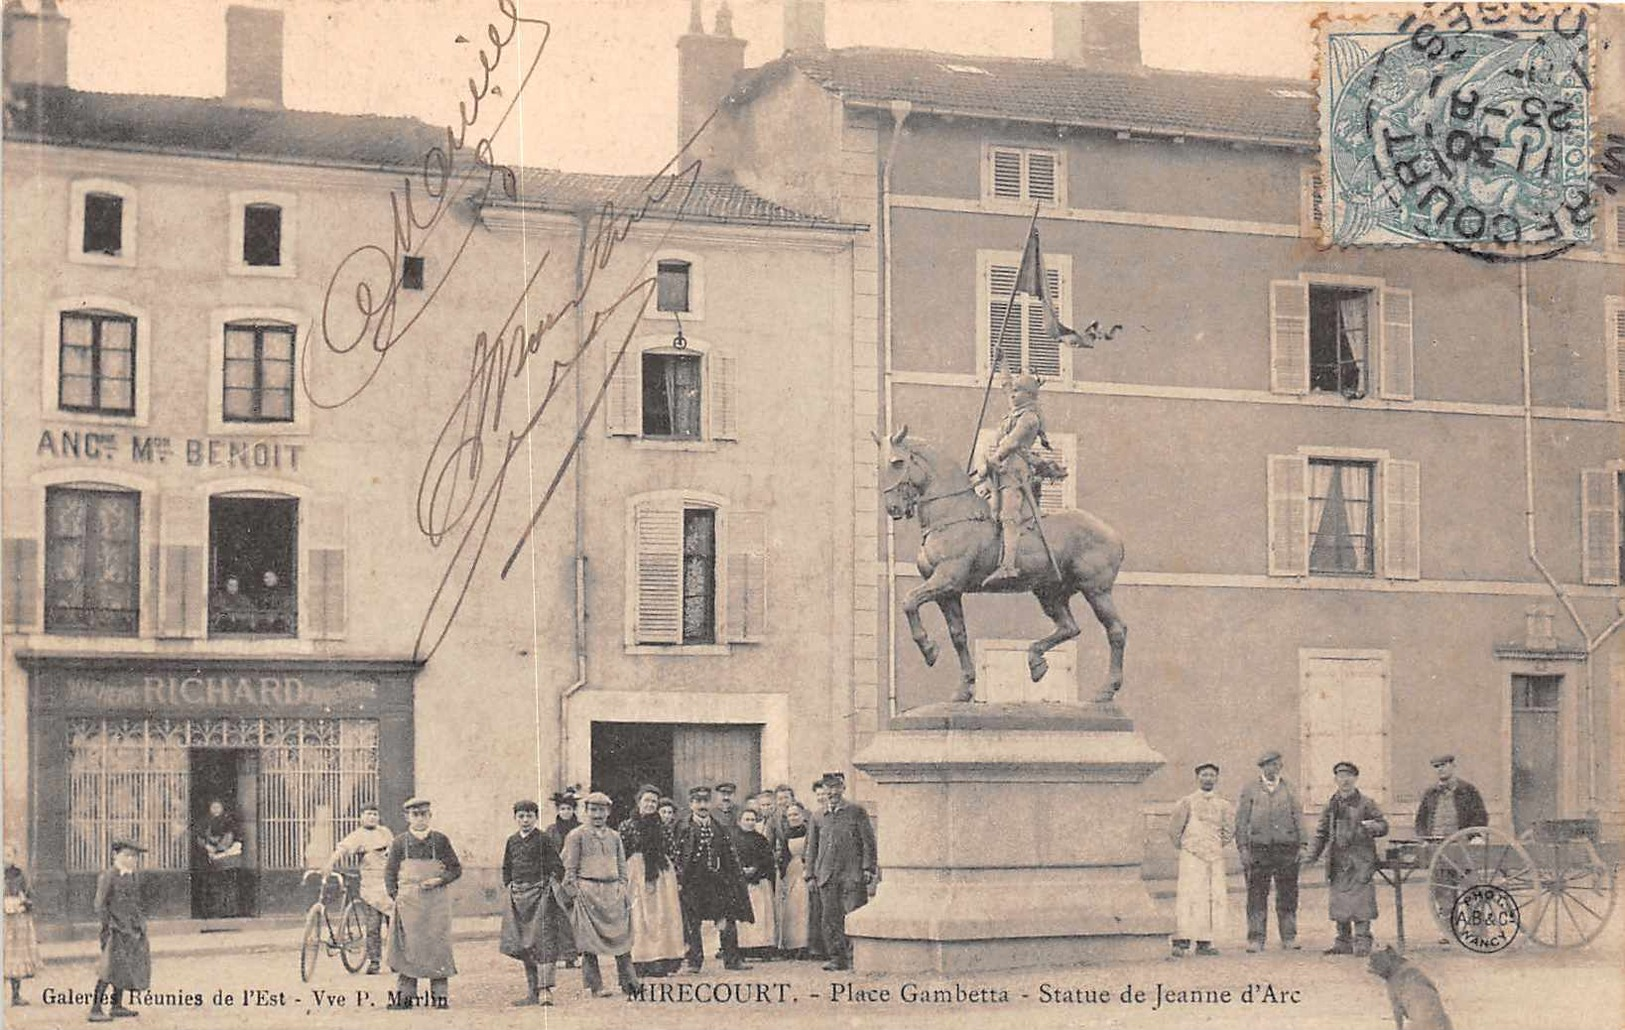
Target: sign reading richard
{"type": "Point", "coordinates": [239, 690]}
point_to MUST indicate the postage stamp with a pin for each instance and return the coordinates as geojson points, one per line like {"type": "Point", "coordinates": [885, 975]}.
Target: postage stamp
{"type": "Point", "coordinates": [1464, 125]}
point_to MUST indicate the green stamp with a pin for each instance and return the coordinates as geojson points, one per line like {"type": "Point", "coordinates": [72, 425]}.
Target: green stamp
{"type": "Point", "coordinates": [1469, 127]}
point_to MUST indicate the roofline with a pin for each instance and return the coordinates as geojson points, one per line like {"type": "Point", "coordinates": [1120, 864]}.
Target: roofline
{"type": "Point", "coordinates": [1283, 142]}
{"type": "Point", "coordinates": [590, 210]}
{"type": "Point", "coordinates": [209, 155]}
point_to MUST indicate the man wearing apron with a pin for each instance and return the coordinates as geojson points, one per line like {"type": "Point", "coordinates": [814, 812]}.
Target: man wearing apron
{"type": "Point", "coordinates": [421, 863]}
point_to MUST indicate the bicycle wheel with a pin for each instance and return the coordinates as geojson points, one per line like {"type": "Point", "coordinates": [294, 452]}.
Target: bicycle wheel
{"type": "Point", "coordinates": [311, 947]}
{"type": "Point", "coordinates": [352, 939]}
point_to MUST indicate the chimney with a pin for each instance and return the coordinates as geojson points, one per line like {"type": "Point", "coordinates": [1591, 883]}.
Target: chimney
{"type": "Point", "coordinates": [254, 57]}
{"type": "Point", "coordinates": [706, 66]}
{"type": "Point", "coordinates": [36, 45]}
{"type": "Point", "coordinates": [803, 24]}
{"type": "Point", "coordinates": [1097, 35]}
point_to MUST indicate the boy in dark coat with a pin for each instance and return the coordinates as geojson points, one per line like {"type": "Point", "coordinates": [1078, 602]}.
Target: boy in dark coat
{"type": "Point", "coordinates": [126, 959]}
{"type": "Point", "coordinates": [530, 869]}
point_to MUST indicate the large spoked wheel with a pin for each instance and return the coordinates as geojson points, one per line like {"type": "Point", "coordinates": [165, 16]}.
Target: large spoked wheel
{"type": "Point", "coordinates": [1474, 856]}
{"type": "Point", "coordinates": [1574, 896]}
{"type": "Point", "coordinates": [310, 949]}
{"type": "Point", "coordinates": [352, 939]}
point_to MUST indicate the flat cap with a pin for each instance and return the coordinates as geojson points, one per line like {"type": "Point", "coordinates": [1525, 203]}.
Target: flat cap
{"type": "Point", "coordinates": [835, 777]}
{"type": "Point", "coordinates": [699, 792]}
{"type": "Point", "coordinates": [414, 802]}
{"type": "Point", "coordinates": [1208, 765]}
{"type": "Point", "coordinates": [1350, 766]}
{"type": "Point", "coordinates": [1269, 756]}
{"type": "Point", "coordinates": [598, 797]}
{"type": "Point", "coordinates": [526, 805]}
{"type": "Point", "coordinates": [126, 844]}
{"type": "Point", "coordinates": [727, 788]}
{"type": "Point", "coordinates": [1443, 759]}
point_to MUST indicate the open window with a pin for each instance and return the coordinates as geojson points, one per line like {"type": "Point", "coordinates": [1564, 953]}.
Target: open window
{"type": "Point", "coordinates": [102, 223]}
{"type": "Point", "coordinates": [1339, 340]}
{"type": "Point", "coordinates": [253, 560]}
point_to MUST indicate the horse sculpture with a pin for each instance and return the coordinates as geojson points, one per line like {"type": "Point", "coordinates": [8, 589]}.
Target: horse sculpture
{"type": "Point", "coordinates": [959, 547]}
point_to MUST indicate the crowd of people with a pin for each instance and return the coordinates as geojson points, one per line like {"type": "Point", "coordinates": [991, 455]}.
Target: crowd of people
{"type": "Point", "coordinates": [1266, 828]}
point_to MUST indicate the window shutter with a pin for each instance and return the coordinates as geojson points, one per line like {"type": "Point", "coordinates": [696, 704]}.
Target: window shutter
{"type": "Point", "coordinates": [1062, 495]}
{"type": "Point", "coordinates": [1311, 211]}
{"type": "Point", "coordinates": [1043, 349]}
{"type": "Point", "coordinates": [747, 576]}
{"type": "Point", "coordinates": [1289, 336]}
{"type": "Point", "coordinates": [325, 552]}
{"type": "Point", "coordinates": [621, 405]}
{"type": "Point", "coordinates": [999, 288]}
{"type": "Point", "coordinates": [1402, 519]}
{"type": "Point", "coordinates": [657, 547]}
{"type": "Point", "coordinates": [1007, 174]}
{"type": "Point", "coordinates": [21, 561]}
{"type": "Point", "coordinates": [1040, 176]}
{"type": "Point", "coordinates": [1617, 223]}
{"type": "Point", "coordinates": [1599, 526]}
{"type": "Point", "coordinates": [184, 569]}
{"type": "Point", "coordinates": [1398, 349]}
{"type": "Point", "coordinates": [725, 396]}
{"type": "Point", "coordinates": [1288, 482]}
{"type": "Point", "coordinates": [1615, 341]}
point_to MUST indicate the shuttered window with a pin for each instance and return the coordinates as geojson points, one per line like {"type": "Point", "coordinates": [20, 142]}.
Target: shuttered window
{"type": "Point", "coordinates": [1614, 344]}
{"type": "Point", "coordinates": [697, 575]}
{"type": "Point", "coordinates": [252, 565]}
{"type": "Point", "coordinates": [1600, 526]}
{"type": "Point", "coordinates": [1350, 340]}
{"type": "Point", "coordinates": [678, 395]}
{"type": "Point", "coordinates": [1326, 516]}
{"type": "Point", "coordinates": [1020, 342]}
{"type": "Point", "coordinates": [1019, 173]}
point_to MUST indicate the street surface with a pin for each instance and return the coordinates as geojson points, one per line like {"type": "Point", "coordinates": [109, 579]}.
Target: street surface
{"type": "Point", "coordinates": [1525, 986]}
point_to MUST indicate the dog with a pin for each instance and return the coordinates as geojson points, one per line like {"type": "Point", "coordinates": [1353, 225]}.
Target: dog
{"type": "Point", "coordinates": [1411, 993]}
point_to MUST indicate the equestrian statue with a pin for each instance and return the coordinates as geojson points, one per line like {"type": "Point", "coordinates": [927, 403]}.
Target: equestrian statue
{"type": "Point", "coordinates": [968, 547]}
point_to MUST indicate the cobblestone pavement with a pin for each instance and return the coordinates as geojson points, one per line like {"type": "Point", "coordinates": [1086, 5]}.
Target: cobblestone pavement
{"type": "Point", "coordinates": [1524, 986]}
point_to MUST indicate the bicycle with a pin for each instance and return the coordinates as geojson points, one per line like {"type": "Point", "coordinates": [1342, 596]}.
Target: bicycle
{"type": "Point", "coordinates": [349, 940]}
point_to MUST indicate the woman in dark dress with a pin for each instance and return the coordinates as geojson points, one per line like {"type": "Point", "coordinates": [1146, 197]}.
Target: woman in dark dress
{"type": "Point", "coordinates": [222, 857]}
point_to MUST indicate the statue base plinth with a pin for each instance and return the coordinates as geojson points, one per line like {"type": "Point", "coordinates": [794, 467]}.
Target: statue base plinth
{"type": "Point", "coordinates": [1011, 837]}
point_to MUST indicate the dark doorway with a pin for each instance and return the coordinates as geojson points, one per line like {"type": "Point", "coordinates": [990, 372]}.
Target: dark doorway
{"type": "Point", "coordinates": [221, 887]}
{"type": "Point", "coordinates": [626, 755]}
{"type": "Point", "coordinates": [1537, 765]}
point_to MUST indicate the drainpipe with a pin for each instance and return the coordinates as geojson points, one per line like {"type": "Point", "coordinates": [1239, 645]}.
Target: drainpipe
{"type": "Point", "coordinates": [579, 559]}
{"type": "Point", "coordinates": [900, 110]}
{"type": "Point", "coordinates": [1592, 643]}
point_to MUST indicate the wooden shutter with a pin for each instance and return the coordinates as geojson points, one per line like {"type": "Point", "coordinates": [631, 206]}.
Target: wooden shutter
{"type": "Point", "coordinates": [1599, 526]}
{"type": "Point", "coordinates": [1396, 374]}
{"type": "Point", "coordinates": [1288, 488]}
{"type": "Point", "coordinates": [1343, 712]}
{"type": "Point", "coordinates": [622, 412]}
{"type": "Point", "coordinates": [1289, 336]}
{"type": "Point", "coordinates": [1041, 176]}
{"type": "Point", "coordinates": [1062, 495]}
{"type": "Point", "coordinates": [21, 561]}
{"type": "Point", "coordinates": [324, 533]}
{"type": "Point", "coordinates": [657, 558]}
{"type": "Point", "coordinates": [998, 288]}
{"type": "Point", "coordinates": [1043, 349]}
{"type": "Point", "coordinates": [725, 397]}
{"type": "Point", "coordinates": [747, 576]}
{"type": "Point", "coordinates": [184, 536]}
{"type": "Point", "coordinates": [1614, 340]}
{"type": "Point", "coordinates": [1402, 519]}
{"type": "Point", "coordinates": [1006, 177]}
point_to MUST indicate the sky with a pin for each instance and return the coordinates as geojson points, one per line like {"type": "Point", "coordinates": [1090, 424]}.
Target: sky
{"type": "Point", "coordinates": [602, 98]}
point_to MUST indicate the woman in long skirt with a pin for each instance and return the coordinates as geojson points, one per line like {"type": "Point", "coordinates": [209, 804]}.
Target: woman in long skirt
{"type": "Point", "coordinates": [657, 917]}
{"type": "Point", "coordinates": [22, 946]}
{"type": "Point", "coordinates": [758, 939]}
{"type": "Point", "coordinates": [792, 883]}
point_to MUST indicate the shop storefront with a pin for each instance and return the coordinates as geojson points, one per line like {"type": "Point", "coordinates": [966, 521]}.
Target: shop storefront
{"type": "Point", "coordinates": [139, 746]}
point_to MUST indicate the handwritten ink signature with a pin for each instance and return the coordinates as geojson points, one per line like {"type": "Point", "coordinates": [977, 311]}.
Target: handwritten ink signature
{"type": "Point", "coordinates": [461, 487]}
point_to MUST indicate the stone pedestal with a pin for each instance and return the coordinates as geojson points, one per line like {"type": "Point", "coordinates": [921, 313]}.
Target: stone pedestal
{"type": "Point", "coordinates": [1010, 836]}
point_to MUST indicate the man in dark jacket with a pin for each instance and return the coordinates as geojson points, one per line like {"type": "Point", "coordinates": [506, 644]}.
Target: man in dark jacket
{"type": "Point", "coordinates": [1451, 804]}
{"type": "Point", "coordinates": [711, 882]}
{"type": "Point", "coordinates": [1269, 836]}
{"type": "Point", "coordinates": [1348, 832]}
{"type": "Point", "coordinates": [842, 863]}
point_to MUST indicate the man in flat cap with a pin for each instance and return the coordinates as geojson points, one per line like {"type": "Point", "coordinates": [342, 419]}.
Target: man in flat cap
{"type": "Point", "coordinates": [420, 865]}
{"type": "Point", "coordinates": [1201, 825]}
{"type": "Point", "coordinates": [125, 963]}
{"type": "Point", "coordinates": [723, 809]}
{"type": "Point", "coordinates": [711, 882]}
{"type": "Point", "coordinates": [1269, 835]}
{"type": "Point", "coordinates": [565, 819]}
{"type": "Point", "coordinates": [601, 911]}
{"type": "Point", "coordinates": [842, 862]}
{"type": "Point", "coordinates": [1451, 804]}
{"type": "Point", "coordinates": [530, 871]}
{"type": "Point", "coordinates": [1348, 832]}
